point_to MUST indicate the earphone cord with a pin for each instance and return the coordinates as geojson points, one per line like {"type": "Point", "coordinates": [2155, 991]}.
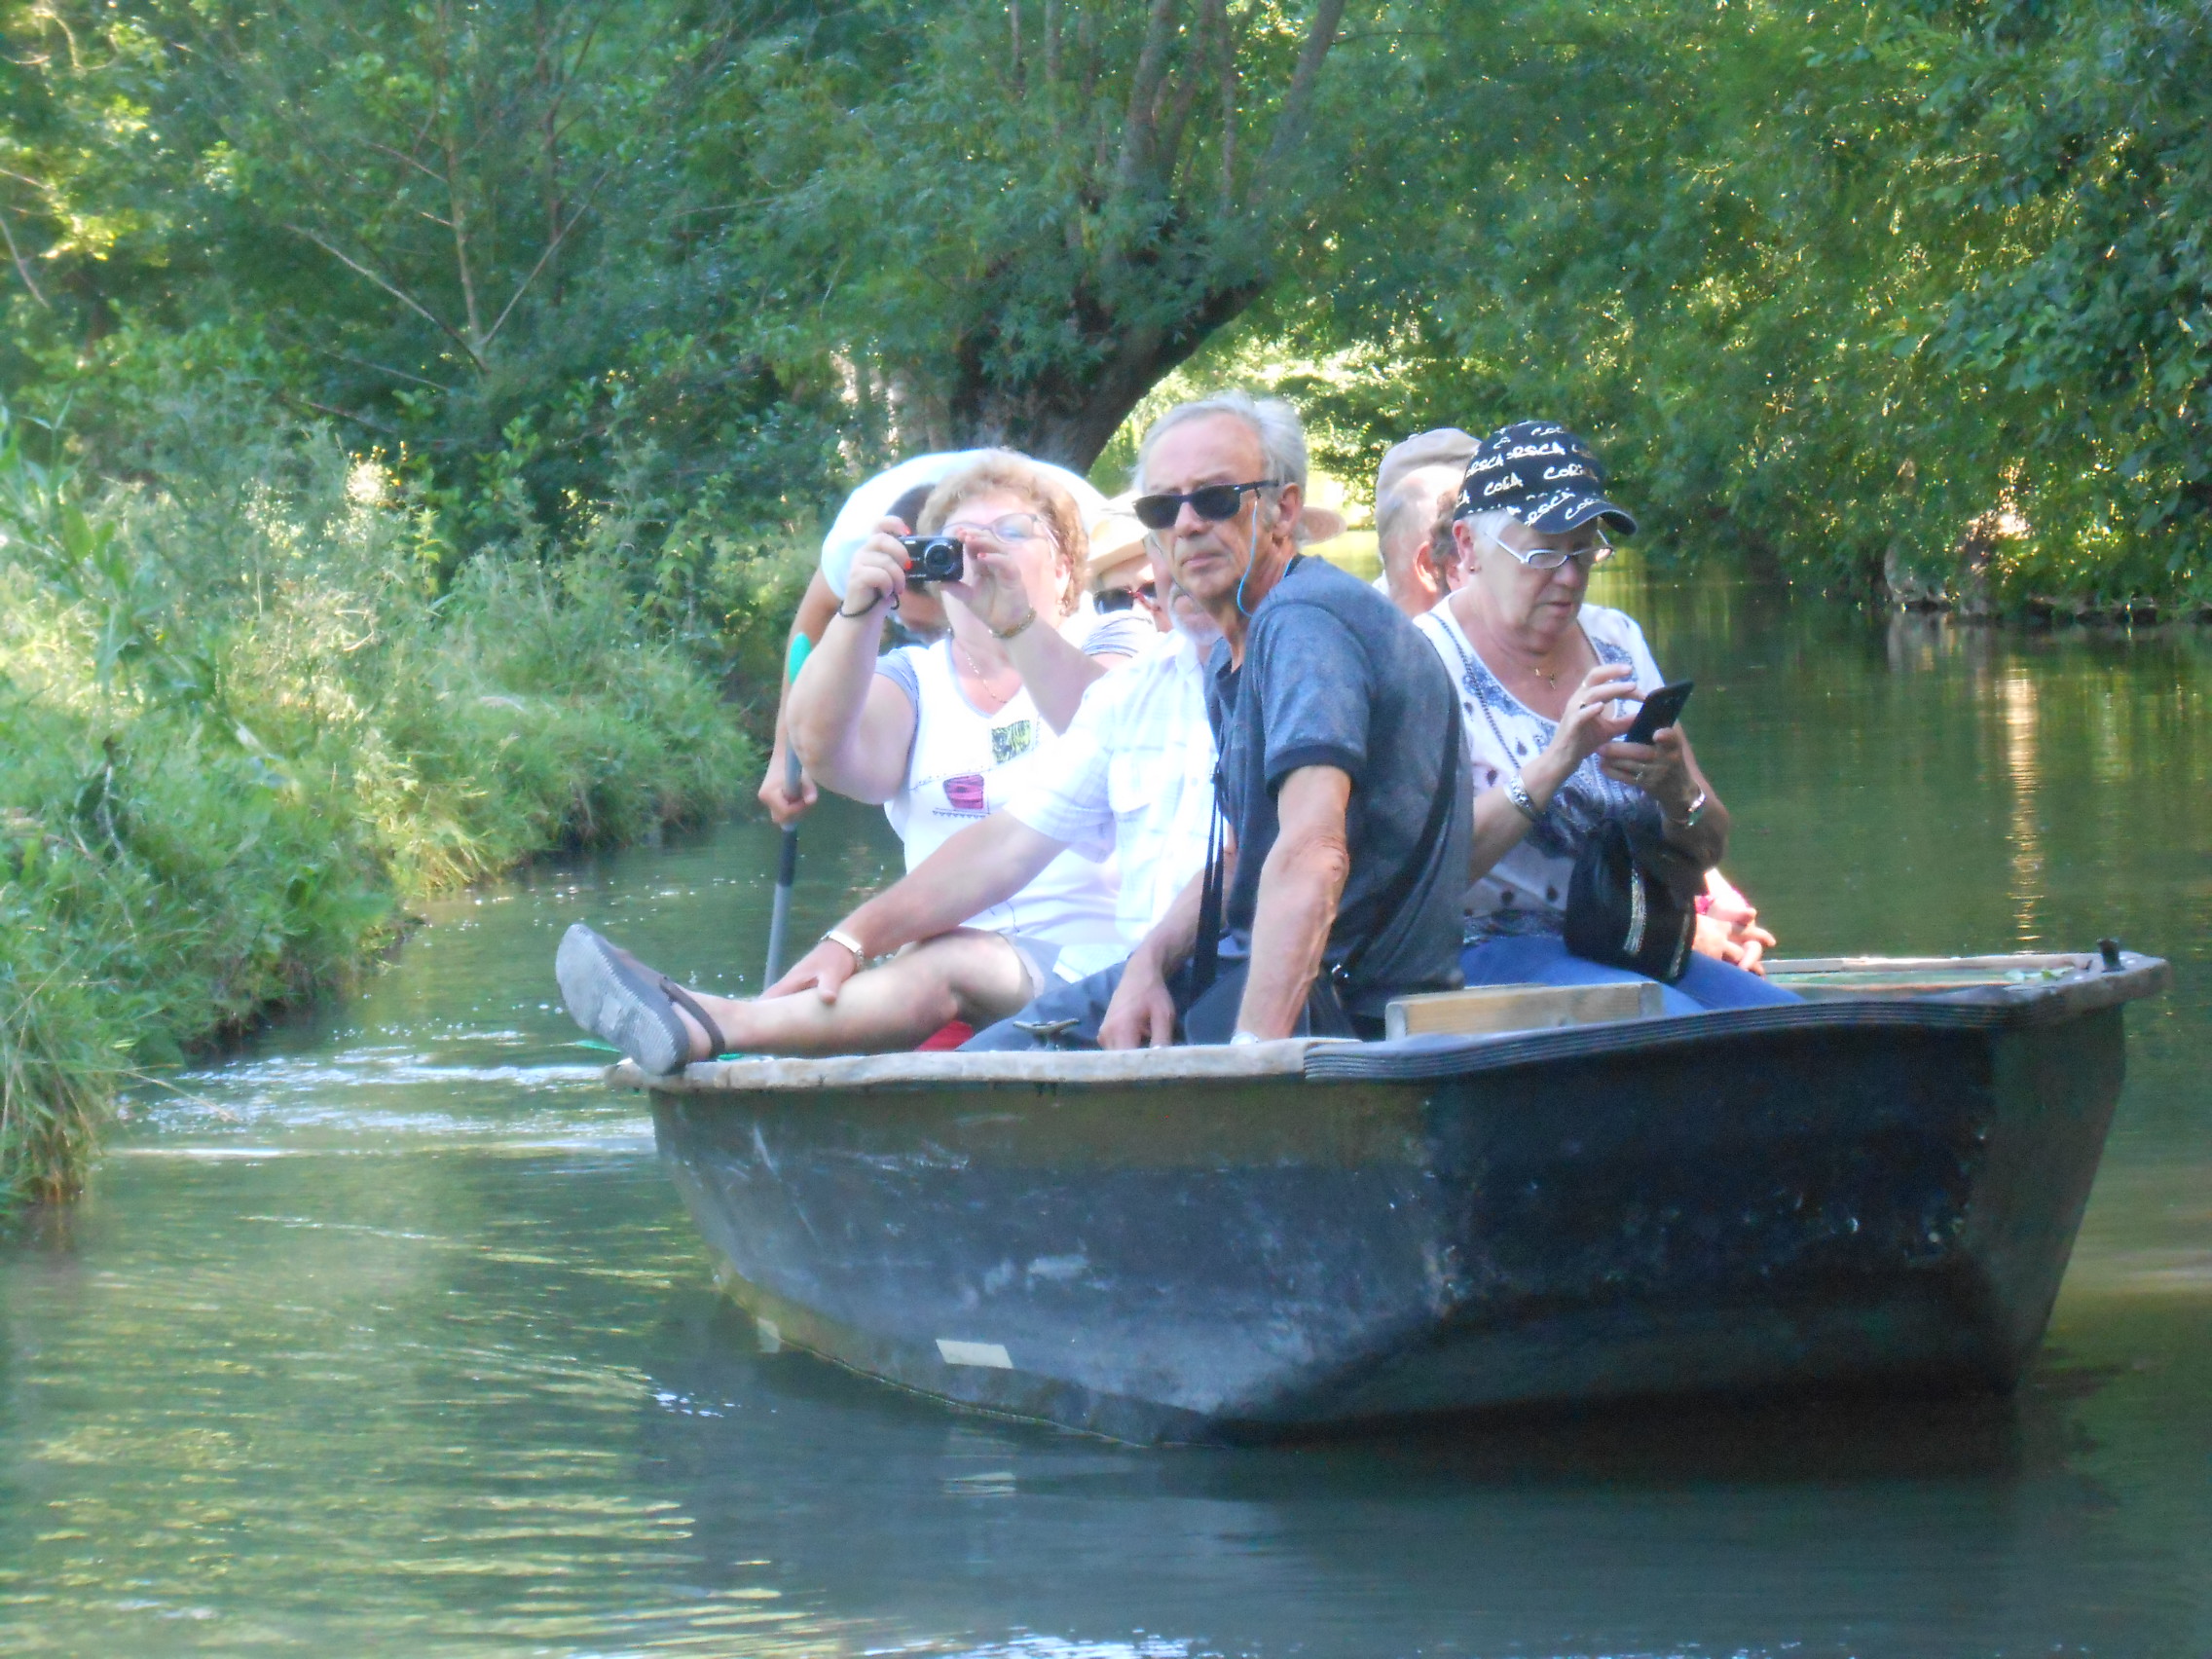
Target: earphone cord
{"type": "Point", "coordinates": [1251, 552]}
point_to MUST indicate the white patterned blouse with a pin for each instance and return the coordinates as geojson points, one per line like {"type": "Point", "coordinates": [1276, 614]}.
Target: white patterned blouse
{"type": "Point", "coordinates": [1526, 890]}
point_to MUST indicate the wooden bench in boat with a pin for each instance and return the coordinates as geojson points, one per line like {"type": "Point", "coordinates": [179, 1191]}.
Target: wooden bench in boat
{"type": "Point", "coordinates": [1487, 1009]}
{"type": "Point", "coordinates": [1481, 1010]}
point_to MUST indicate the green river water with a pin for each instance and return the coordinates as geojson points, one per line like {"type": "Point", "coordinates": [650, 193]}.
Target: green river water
{"type": "Point", "coordinates": [388, 1337]}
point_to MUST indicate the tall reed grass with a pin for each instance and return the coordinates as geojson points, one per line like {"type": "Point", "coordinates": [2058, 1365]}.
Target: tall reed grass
{"type": "Point", "coordinates": [238, 729]}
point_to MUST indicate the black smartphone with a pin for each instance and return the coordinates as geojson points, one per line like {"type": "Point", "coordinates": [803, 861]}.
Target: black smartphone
{"type": "Point", "coordinates": [1661, 710]}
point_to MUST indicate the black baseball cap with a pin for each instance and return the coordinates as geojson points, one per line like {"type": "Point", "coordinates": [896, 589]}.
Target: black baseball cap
{"type": "Point", "coordinates": [1543, 475]}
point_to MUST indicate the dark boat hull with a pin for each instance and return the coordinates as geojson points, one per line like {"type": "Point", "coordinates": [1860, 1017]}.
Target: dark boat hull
{"type": "Point", "coordinates": [1842, 1195]}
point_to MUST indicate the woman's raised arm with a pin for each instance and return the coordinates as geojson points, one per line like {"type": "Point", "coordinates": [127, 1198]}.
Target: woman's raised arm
{"type": "Point", "coordinates": [852, 728]}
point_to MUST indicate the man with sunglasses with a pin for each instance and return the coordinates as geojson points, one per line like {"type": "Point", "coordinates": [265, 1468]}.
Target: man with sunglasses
{"type": "Point", "coordinates": [1344, 784]}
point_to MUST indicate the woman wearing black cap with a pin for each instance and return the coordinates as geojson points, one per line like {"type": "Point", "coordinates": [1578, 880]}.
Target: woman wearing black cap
{"type": "Point", "coordinates": [1539, 673]}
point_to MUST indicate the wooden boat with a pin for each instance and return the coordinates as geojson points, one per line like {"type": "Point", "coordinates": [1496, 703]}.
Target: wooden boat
{"type": "Point", "coordinates": [1877, 1187]}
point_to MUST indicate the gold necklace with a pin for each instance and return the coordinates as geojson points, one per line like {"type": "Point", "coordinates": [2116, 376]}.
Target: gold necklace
{"type": "Point", "coordinates": [1498, 638]}
{"type": "Point", "coordinates": [976, 668]}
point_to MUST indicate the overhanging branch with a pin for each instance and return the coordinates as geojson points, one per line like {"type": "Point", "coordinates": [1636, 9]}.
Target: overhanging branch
{"type": "Point", "coordinates": [1298, 101]}
{"type": "Point", "coordinates": [395, 290]}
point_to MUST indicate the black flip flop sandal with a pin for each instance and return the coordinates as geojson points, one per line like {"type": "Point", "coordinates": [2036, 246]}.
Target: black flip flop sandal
{"type": "Point", "coordinates": [619, 999]}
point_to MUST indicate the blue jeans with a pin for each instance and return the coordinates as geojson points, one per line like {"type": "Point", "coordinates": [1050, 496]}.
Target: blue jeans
{"type": "Point", "coordinates": [1542, 959]}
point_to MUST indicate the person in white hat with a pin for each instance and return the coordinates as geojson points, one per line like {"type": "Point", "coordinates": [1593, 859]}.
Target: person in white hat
{"type": "Point", "coordinates": [942, 736]}
{"type": "Point", "coordinates": [1121, 579]}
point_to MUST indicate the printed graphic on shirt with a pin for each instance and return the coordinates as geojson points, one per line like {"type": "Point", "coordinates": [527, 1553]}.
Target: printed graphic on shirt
{"type": "Point", "coordinates": [966, 794]}
{"type": "Point", "coordinates": [1015, 737]}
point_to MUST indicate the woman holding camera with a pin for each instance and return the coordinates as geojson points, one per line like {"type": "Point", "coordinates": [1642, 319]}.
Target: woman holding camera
{"type": "Point", "coordinates": [940, 735]}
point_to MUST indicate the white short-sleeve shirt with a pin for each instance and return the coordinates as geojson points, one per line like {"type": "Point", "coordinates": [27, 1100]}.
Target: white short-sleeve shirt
{"type": "Point", "coordinates": [1132, 780]}
{"type": "Point", "coordinates": [1526, 890]}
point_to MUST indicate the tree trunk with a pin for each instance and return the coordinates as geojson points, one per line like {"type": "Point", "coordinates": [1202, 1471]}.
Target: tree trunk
{"type": "Point", "coordinates": [1068, 420]}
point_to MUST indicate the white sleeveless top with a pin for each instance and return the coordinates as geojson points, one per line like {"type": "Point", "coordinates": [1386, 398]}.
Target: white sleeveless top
{"type": "Point", "coordinates": [964, 765]}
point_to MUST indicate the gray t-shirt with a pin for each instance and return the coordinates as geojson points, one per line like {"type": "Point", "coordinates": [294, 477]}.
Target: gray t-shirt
{"type": "Point", "coordinates": [1335, 676]}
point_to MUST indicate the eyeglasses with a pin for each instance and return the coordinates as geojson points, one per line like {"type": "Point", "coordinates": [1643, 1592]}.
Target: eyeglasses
{"type": "Point", "coordinates": [1122, 598]}
{"type": "Point", "coordinates": [1212, 501]}
{"type": "Point", "coordinates": [1015, 527]}
{"type": "Point", "coordinates": [1552, 558]}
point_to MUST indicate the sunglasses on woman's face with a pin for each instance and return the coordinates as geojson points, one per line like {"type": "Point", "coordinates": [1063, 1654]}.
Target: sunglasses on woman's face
{"type": "Point", "coordinates": [1212, 503]}
{"type": "Point", "coordinates": [1121, 599]}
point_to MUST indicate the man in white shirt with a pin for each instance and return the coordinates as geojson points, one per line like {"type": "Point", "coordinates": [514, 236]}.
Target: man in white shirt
{"type": "Point", "coordinates": [1131, 779]}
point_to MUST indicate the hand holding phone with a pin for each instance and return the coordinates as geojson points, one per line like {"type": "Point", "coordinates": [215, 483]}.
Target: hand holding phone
{"type": "Point", "coordinates": [1661, 708]}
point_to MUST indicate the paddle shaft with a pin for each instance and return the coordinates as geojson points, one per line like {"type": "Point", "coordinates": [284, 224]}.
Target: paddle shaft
{"type": "Point", "coordinates": [787, 871]}
{"type": "Point", "coordinates": [787, 857]}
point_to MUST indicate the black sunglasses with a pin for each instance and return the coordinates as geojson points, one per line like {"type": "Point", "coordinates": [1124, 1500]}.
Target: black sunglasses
{"type": "Point", "coordinates": [1215, 501]}
{"type": "Point", "coordinates": [1122, 598]}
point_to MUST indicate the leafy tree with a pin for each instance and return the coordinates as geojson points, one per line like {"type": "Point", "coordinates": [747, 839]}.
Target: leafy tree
{"type": "Point", "coordinates": [1011, 217]}
{"type": "Point", "coordinates": [2090, 132]}
{"type": "Point", "coordinates": [463, 229]}
{"type": "Point", "coordinates": [1844, 290]}
{"type": "Point", "coordinates": [1847, 291]}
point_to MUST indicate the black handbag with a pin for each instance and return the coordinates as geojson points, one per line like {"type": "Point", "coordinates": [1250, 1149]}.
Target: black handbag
{"type": "Point", "coordinates": [1631, 902]}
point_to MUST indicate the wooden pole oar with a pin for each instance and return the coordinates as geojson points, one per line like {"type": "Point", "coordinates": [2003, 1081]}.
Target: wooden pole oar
{"type": "Point", "coordinates": [787, 858]}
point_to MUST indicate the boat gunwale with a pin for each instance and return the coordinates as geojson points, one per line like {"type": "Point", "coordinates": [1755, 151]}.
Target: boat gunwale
{"type": "Point", "coordinates": [1984, 1008]}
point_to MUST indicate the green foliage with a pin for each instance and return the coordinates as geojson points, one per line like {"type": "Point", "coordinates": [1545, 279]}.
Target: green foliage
{"type": "Point", "coordinates": [2089, 128]}
{"type": "Point", "coordinates": [1848, 292]}
{"type": "Point", "coordinates": [515, 242]}
{"type": "Point", "coordinates": [181, 850]}
{"type": "Point", "coordinates": [469, 233]}
{"type": "Point", "coordinates": [1012, 220]}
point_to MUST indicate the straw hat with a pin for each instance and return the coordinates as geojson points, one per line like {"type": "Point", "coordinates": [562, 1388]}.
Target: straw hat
{"type": "Point", "coordinates": [1116, 539]}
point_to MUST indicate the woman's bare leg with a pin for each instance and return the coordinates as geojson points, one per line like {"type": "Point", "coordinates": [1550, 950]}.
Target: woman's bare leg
{"type": "Point", "coordinates": [964, 975]}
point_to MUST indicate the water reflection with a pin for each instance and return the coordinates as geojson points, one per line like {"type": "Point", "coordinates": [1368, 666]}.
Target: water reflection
{"type": "Point", "coordinates": [2018, 694]}
{"type": "Point", "coordinates": [388, 1336]}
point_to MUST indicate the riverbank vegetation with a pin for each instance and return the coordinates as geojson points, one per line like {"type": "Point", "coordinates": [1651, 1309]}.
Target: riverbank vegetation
{"type": "Point", "coordinates": [241, 726]}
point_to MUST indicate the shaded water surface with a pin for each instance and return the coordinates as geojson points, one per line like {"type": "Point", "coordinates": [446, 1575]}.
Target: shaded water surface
{"type": "Point", "coordinates": [388, 1336]}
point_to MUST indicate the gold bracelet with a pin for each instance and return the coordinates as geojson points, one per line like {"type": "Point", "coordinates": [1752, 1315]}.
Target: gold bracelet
{"type": "Point", "coordinates": [1018, 628]}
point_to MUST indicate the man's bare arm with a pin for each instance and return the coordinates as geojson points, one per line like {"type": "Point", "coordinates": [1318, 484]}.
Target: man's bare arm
{"type": "Point", "coordinates": [1299, 884]}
